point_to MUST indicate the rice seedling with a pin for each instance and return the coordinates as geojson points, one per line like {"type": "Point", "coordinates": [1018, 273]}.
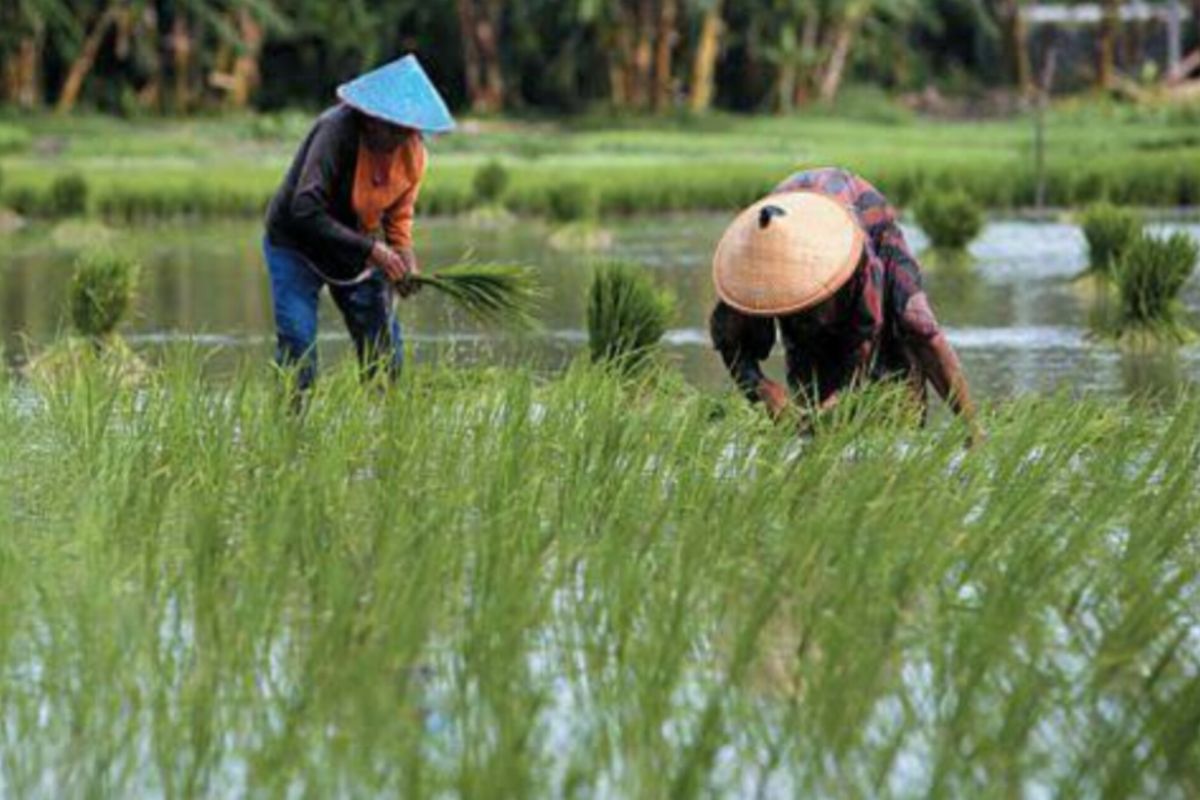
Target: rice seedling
{"type": "Point", "coordinates": [490, 182]}
{"type": "Point", "coordinates": [1109, 231]}
{"type": "Point", "coordinates": [951, 219]}
{"type": "Point", "coordinates": [500, 294]}
{"type": "Point", "coordinates": [627, 315]}
{"type": "Point", "coordinates": [1149, 277]}
{"type": "Point", "coordinates": [574, 201]}
{"type": "Point", "coordinates": [508, 586]}
{"type": "Point", "coordinates": [102, 292]}
{"type": "Point", "coordinates": [67, 196]}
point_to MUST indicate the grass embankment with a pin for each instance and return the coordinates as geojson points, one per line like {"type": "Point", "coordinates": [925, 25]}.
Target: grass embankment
{"type": "Point", "coordinates": [228, 167]}
{"type": "Point", "coordinates": [493, 586]}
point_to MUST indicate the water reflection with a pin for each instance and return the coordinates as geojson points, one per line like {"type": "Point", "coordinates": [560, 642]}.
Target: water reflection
{"type": "Point", "coordinates": [1020, 322]}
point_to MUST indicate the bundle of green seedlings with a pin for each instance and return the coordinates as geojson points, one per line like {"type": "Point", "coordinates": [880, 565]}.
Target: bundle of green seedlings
{"type": "Point", "coordinates": [494, 294]}
{"type": "Point", "coordinates": [950, 218]}
{"type": "Point", "coordinates": [1109, 231]}
{"type": "Point", "coordinates": [627, 315]}
{"type": "Point", "coordinates": [100, 296]}
{"type": "Point", "coordinates": [515, 587]}
{"type": "Point", "coordinates": [1149, 277]}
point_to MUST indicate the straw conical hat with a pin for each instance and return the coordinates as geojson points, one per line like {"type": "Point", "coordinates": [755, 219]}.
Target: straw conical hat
{"type": "Point", "coordinates": [786, 253]}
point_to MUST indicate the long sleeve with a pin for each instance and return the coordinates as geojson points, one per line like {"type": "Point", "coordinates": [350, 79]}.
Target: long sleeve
{"type": "Point", "coordinates": [310, 205]}
{"type": "Point", "coordinates": [398, 219]}
{"type": "Point", "coordinates": [744, 342]}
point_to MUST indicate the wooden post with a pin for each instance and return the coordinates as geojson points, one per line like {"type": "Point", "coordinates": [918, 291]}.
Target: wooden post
{"type": "Point", "coordinates": [1039, 142]}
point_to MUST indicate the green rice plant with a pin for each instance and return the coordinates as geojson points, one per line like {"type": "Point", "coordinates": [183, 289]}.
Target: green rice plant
{"type": "Point", "coordinates": [101, 293]}
{"type": "Point", "coordinates": [490, 182]}
{"type": "Point", "coordinates": [1109, 231]}
{"type": "Point", "coordinates": [1149, 277]}
{"type": "Point", "coordinates": [500, 584]}
{"type": "Point", "coordinates": [950, 218]}
{"type": "Point", "coordinates": [627, 315]}
{"type": "Point", "coordinates": [67, 196]}
{"type": "Point", "coordinates": [572, 201]}
{"type": "Point", "coordinates": [25, 200]}
{"type": "Point", "coordinates": [499, 294]}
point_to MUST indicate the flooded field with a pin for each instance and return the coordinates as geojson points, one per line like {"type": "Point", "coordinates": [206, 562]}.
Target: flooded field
{"type": "Point", "coordinates": [1018, 320]}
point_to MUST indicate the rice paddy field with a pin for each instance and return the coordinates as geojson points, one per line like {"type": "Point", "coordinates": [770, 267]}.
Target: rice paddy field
{"type": "Point", "coordinates": [517, 574]}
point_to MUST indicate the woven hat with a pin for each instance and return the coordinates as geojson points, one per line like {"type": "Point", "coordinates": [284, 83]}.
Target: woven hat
{"type": "Point", "coordinates": [400, 93]}
{"type": "Point", "coordinates": [786, 253]}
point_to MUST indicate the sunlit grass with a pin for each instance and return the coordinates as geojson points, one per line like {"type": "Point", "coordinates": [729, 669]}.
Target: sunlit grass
{"type": "Point", "coordinates": [491, 584]}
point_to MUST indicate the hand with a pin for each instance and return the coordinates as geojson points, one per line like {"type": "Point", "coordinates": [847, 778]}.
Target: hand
{"type": "Point", "coordinates": [407, 287]}
{"type": "Point", "coordinates": [774, 397]}
{"type": "Point", "coordinates": [391, 262]}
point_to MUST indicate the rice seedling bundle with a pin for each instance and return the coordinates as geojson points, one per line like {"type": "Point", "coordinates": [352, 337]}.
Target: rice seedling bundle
{"type": "Point", "coordinates": [496, 294]}
{"type": "Point", "coordinates": [627, 314]}
{"type": "Point", "coordinates": [950, 218]}
{"type": "Point", "coordinates": [1109, 231]}
{"type": "Point", "coordinates": [490, 182]}
{"type": "Point", "coordinates": [1149, 277]}
{"type": "Point", "coordinates": [101, 292]}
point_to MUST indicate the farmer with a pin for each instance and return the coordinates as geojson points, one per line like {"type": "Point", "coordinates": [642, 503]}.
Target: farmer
{"type": "Point", "coordinates": [343, 217]}
{"type": "Point", "coordinates": [823, 259]}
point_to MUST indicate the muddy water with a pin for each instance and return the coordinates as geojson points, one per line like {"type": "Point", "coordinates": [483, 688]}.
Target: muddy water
{"type": "Point", "coordinates": [1018, 321]}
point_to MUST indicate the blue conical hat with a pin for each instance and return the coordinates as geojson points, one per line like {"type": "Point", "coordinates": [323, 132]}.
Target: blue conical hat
{"type": "Point", "coordinates": [400, 93]}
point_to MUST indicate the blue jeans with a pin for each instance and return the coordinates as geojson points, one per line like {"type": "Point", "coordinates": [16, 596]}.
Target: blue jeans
{"type": "Point", "coordinates": [366, 307]}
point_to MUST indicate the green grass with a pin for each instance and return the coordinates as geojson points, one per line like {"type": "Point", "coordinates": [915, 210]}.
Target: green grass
{"type": "Point", "coordinates": [487, 584]}
{"type": "Point", "coordinates": [229, 166]}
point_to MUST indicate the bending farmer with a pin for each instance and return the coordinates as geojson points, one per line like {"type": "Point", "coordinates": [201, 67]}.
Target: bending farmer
{"type": "Point", "coordinates": [356, 177]}
{"type": "Point", "coordinates": [823, 259]}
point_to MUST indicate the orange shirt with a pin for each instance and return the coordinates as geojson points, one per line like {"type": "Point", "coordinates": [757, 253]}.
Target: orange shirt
{"type": "Point", "coordinates": [390, 202]}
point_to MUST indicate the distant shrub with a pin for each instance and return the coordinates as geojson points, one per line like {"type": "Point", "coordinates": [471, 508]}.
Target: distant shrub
{"type": "Point", "coordinates": [1150, 276]}
{"type": "Point", "coordinates": [571, 202]}
{"type": "Point", "coordinates": [627, 315]}
{"type": "Point", "coordinates": [67, 196]}
{"type": "Point", "coordinates": [102, 291]}
{"type": "Point", "coordinates": [951, 219]}
{"type": "Point", "coordinates": [1110, 231]}
{"type": "Point", "coordinates": [490, 182]}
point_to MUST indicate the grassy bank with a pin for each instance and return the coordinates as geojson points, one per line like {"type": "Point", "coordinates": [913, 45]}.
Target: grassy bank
{"type": "Point", "coordinates": [491, 585]}
{"type": "Point", "coordinates": [228, 167]}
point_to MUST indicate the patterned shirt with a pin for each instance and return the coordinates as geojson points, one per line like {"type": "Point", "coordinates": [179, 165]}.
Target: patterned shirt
{"type": "Point", "coordinates": [866, 330]}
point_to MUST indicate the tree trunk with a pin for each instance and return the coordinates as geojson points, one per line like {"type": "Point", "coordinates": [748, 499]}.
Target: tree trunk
{"type": "Point", "coordinates": [1016, 42]}
{"type": "Point", "coordinates": [668, 15]}
{"type": "Point", "coordinates": [641, 68]}
{"type": "Point", "coordinates": [21, 79]}
{"type": "Point", "coordinates": [1106, 44]}
{"type": "Point", "coordinates": [479, 26]}
{"type": "Point", "coordinates": [86, 59]}
{"type": "Point", "coordinates": [843, 40]}
{"type": "Point", "coordinates": [181, 52]}
{"type": "Point", "coordinates": [810, 35]}
{"type": "Point", "coordinates": [245, 69]}
{"type": "Point", "coordinates": [705, 61]}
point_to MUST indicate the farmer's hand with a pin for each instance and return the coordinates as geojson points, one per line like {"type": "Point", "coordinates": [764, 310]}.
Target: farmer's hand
{"type": "Point", "coordinates": [406, 286]}
{"type": "Point", "coordinates": [774, 397]}
{"type": "Point", "coordinates": [391, 262]}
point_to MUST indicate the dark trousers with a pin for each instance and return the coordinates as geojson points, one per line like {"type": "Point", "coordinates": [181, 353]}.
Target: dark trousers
{"type": "Point", "coordinates": [366, 307]}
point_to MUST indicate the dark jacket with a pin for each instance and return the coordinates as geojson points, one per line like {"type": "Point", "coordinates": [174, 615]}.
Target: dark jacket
{"type": "Point", "coordinates": [313, 210]}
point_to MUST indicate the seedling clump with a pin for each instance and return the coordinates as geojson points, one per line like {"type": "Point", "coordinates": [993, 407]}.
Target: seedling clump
{"type": "Point", "coordinates": [1149, 278]}
{"type": "Point", "coordinates": [101, 293]}
{"type": "Point", "coordinates": [1110, 231]}
{"type": "Point", "coordinates": [627, 315]}
{"type": "Point", "coordinates": [950, 219]}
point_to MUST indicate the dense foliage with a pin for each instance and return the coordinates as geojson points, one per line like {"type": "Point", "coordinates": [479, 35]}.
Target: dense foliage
{"type": "Point", "coordinates": [179, 55]}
